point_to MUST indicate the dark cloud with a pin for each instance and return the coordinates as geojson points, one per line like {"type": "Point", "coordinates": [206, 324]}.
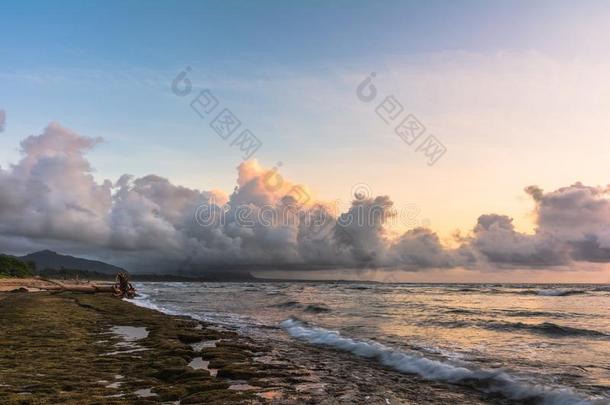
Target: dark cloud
{"type": "Point", "coordinates": [495, 238]}
{"type": "Point", "coordinates": [421, 248]}
{"type": "Point", "coordinates": [49, 199]}
{"type": "Point", "coordinates": [577, 215]}
{"type": "Point", "coordinates": [573, 224]}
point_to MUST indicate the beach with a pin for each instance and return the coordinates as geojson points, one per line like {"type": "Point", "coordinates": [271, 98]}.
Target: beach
{"type": "Point", "coordinates": [80, 348]}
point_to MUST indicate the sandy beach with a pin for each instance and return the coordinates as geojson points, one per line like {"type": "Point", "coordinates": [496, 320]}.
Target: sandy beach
{"type": "Point", "coordinates": [93, 348]}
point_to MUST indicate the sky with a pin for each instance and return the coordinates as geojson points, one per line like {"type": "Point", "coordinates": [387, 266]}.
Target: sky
{"type": "Point", "coordinates": [516, 92]}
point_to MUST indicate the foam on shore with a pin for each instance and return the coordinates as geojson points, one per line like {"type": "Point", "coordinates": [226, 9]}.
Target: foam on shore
{"type": "Point", "coordinates": [490, 381]}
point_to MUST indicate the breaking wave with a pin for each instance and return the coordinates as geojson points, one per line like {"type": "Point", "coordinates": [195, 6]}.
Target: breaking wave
{"type": "Point", "coordinates": [489, 381]}
{"type": "Point", "coordinates": [560, 292]}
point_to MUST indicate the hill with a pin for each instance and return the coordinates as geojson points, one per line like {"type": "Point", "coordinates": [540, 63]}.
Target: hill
{"type": "Point", "coordinates": [47, 259]}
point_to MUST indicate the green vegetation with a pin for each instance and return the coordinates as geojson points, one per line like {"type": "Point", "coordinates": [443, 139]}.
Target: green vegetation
{"type": "Point", "coordinates": [13, 267]}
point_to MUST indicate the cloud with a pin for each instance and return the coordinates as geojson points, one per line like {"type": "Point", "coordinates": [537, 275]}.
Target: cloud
{"type": "Point", "coordinates": [2, 120]}
{"type": "Point", "coordinates": [573, 224]}
{"type": "Point", "coordinates": [421, 248]}
{"type": "Point", "coordinates": [579, 216]}
{"type": "Point", "coordinates": [51, 194]}
{"type": "Point", "coordinates": [50, 199]}
{"type": "Point", "coordinates": [495, 238]}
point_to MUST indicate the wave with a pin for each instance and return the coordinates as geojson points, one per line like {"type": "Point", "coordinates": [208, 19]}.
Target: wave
{"type": "Point", "coordinates": [358, 287]}
{"type": "Point", "coordinates": [489, 381]}
{"type": "Point", "coordinates": [287, 304]}
{"type": "Point", "coordinates": [559, 292]}
{"type": "Point", "coordinates": [311, 308]}
{"type": "Point", "coordinates": [467, 289]}
{"type": "Point", "coordinates": [529, 314]}
{"type": "Point", "coordinates": [317, 308]}
{"type": "Point", "coordinates": [143, 300]}
{"type": "Point", "coordinates": [461, 311]}
{"type": "Point", "coordinates": [230, 321]}
{"type": "Point", "coordinates": [549, 292]}
{"type": "Point", "coordinates": [546, 328]}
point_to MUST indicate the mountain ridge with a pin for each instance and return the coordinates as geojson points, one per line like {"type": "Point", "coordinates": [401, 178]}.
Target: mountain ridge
{"type": "Point", "coordinates": [48, 259]}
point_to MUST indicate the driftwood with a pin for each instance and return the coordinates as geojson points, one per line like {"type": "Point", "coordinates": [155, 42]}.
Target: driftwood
{"type": "Point", "coordinates": [123, 288]}
{"type": "Point", "coordinates": [90, 288]}
{"type": "Point", "coordinates": [84, 288]}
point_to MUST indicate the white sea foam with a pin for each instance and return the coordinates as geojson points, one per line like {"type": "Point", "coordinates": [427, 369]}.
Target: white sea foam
{"type": "Point", "coordinates": [144, 301]}
{"type": "Point", "coordinates": [425, 365]}
{"type": "Point", "coordinates": [559, 292]}
{"type": "Point", "coordinates": [229, 320]}
{"type": "Point", "coordinates": [492, 381]}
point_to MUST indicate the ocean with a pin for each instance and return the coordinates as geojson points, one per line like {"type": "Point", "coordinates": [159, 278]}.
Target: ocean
{"type": "Point", "coordinates": [547, 344]}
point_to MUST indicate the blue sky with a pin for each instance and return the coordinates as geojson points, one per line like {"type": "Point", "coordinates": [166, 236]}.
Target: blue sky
{"type": "Point", "coordinates": [289, 71]}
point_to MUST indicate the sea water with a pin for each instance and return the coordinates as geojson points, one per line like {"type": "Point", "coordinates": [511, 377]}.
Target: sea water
{"type": "Point", "coordinates": [548, 344]}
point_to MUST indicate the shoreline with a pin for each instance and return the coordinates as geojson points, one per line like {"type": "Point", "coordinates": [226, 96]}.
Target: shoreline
{"type": "Point", "coordinates": [66, 348]}
{"type": "Point", "coordinates": [73, 348]}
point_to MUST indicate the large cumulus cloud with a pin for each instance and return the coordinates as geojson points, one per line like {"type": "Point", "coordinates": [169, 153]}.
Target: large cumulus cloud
{"type": "Point", "coordinates": [50, 199]}
{"type": "Point", "coordinates": [495, 238]}
{"type": "Point", "coordinates": [572, 224]}
{"type": "Point", "coordinates": [579, 216]}
{"type": "Point", "coordinates": [51, 194]}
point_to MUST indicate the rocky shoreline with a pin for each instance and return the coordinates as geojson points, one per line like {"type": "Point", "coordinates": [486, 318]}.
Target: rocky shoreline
{"type": "Point", "coordinates": [69, 348]}
{"type": "Point", "coordinates": [78, 348]}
